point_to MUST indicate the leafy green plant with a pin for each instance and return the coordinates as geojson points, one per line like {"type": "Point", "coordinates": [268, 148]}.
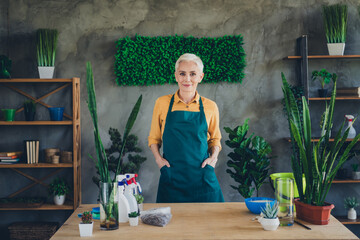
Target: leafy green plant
{"type": "Point", "coordinates": [5, 67]}
{"type": "Point", "coordinates": [250, 159]}
{"type": "Point", "coordinates": [323, 76]}
{"type": "Point", "coordinates": [139, 198]}
{"type": "Point", "coordinates": [133, 214]}
{"type": "Point", "coordinates": [354, 167]}
{"type": "Point", "coordinates": [58, 187]}
{"type": "Point", "coordinates": [143, 61]}
{"type": "Point", "coordinates": [335, 23]}
{"type": "Point", "coordinates": [316, 161]}
{"type": "Point", "coordinates": [270, 211]}
{"type": "Point", "coordinates": [46, 42]}
{"type": "Point", "coordinates": [351, 202]}
{"type": "Point", "coordinates": [86, 217]}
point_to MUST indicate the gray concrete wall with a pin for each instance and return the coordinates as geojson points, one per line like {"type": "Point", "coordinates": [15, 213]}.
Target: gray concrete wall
{"type": "Point", "coordinates": [89, 29]}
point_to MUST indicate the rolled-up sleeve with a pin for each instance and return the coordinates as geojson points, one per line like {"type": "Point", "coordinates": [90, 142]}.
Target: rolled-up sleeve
{"type": "Point", "coordinates": [214, 137]}
{"type": "Point", "coordinates": [156, 124]}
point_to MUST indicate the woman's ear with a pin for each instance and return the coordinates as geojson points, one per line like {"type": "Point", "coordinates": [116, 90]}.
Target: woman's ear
{"type": "Point", "coordinates": [201, 77]}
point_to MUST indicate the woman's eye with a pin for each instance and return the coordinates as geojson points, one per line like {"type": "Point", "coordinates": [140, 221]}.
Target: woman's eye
{"type": "Point", "coordinates": [182, 74]}
{"type": "Point", "coordinates": [193, 74]}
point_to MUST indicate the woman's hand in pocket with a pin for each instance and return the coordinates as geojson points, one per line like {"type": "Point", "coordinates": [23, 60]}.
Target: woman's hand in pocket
{"type": "Point", "coordinates": [162, 162]}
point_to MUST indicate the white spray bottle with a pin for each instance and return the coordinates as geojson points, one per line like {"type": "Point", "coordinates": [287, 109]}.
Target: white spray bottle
{"type": "Point", "coordinates": [131, 199]}
{"type": "Point", "coordinates": [352, 132]}
{"type": "Point", "coordinates": [123, 204]}
{"type": "Point", "coordinates": [135, 186]}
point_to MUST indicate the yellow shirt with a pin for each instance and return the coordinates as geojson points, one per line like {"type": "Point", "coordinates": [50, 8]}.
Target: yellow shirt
{"type": "Point", "coordinates": [160, 112]}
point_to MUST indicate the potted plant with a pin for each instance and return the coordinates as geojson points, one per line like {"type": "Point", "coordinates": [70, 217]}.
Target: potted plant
{"type": "Point", "coordinates": [29, 110]}
{"type": "Point", "coordinates": [250, 159]}
{"type": "Point", "coordinates": [46, 41]}
{"type": "Point", "coordinates": [351, 203]}
{"type": "Point", "coordinates": [324, 77]}
{"type": "Point", "coordinates": [315, 161]}
{"type": "Point", "coordinates": [86, 225]}
{"type": "Point", "coordinates": [58, 188]}
{"type": "Point", "coordinates": [108, 185]}
{"type": "Point", "coordinates": [269, 219]}
{"type": "Point", "coordinates": [134, 219]}
{"type": "Point", "coordinates": [5, 67]}
{"type": "Point", "coordinates": [139, 199]}
{"type": "Point", "coordinates": [355, 172]}
{"type": "Point", "coordinates": [335, 25]}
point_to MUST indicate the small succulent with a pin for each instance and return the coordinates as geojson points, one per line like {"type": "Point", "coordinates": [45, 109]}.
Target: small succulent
{"type": "Point", "coordinates": [355, 167]}
{"type": "Point", "coordinates": [270, 211]}
{"type": "Point", "coordinates": [351, 202]}
{"type": "Point", "coordinates": [139, 198]}
{"type": "Point", "coordinates": [133, 214]}
{"type": "Point", "coordinates": [86, 217]}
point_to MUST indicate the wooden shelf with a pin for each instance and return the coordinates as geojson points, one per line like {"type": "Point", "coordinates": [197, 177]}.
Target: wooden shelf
{"type": "Point", "coordinates": [345, 181]}
{"type": "Point", "coordinates": [345, 220]}
{"type": "Point", "coordinates": [39, 123]}
{"type": "Point", "coordinates": [324, 57]}
{"type": "Point", "coordinates": [38, 165]}
{"type": "Point", "coordinates": [35, 80]}
{"type": "Point", "coordinates": [317, 139]}
{"type": "Point", "coordinates": [337, 98]}
{"type": "Point", "coordinates": [46, 206]}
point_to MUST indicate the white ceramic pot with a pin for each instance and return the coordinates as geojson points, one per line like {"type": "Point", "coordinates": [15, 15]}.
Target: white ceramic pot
{"type": "Point", "coordinates": [46, 72]}
{"type": "Point", "coordinates": [269, 224]}
{"type": "Point", "coordinates": [86, 229]}
{"type": "Point", "coordinates": [352, 214]}
{"type": "Point", "coordinates": [336, 48]}
{"type": "Point", "coordinates": [356, 175]}
{"type": "Point", "coordinates": [134, 221]}
{"type": "Point", "coordinates": [141, 207]}
{"type": "Point", "coordinates": [59, 199]}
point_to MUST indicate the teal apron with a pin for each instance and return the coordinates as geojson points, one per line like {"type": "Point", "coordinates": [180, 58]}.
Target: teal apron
{"type": "Point", "coordinates": [185, 148]}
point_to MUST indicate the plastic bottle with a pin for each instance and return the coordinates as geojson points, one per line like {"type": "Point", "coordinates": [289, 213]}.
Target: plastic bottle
{"type": "Point", "coordinates": [131, 199]}
{"type": "Point", "coordinates": [135, 186]}
{"type": "Point", "coordinates": [352, 132]}
{"type": "Point", "coordinates": [123, 204]}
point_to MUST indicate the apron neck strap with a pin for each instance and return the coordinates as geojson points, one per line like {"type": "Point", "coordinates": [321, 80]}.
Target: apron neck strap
{"type": "Point", "coordinates": [172, 103]}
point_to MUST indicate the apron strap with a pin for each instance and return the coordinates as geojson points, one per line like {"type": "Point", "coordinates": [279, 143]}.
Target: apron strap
{"type": "Point", "coordinates": [172, 103]}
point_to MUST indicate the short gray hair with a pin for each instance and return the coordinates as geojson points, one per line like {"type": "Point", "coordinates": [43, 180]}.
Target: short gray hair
{"type": "Point", "coordinates": [189, 57]}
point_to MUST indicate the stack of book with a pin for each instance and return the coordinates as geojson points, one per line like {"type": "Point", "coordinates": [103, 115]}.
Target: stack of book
{"type": "Point", "coordinates": [351, 92]}
{"type": "Point", "coordinates": [32, 151]}
{"type": "Point", "coordinates": [10, 157]}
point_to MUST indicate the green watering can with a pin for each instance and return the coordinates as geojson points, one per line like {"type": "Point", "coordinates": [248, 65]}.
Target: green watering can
{"type": "Point", "coordinates": [286, 175]}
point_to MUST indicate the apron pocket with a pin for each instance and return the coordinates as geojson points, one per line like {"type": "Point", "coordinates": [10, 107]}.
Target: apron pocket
{"type": "Point", "coordinates": [165, 176]}
{"type": "Point", "coordinates": [210, 179]}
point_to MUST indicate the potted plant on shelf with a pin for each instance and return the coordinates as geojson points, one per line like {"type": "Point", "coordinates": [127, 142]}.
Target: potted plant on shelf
{"type": "Point", "coordinates": [315, 161]}
{"type": "Point", "coordinates": [139, 199]}
{"type": "Point", "coordinates": [134, 219]}
{"type": "Point", "coordinates": [29, 110]}
{"type": "Point", "coordinates": [335, 25]}
{"type": "Point", "coordinates": [355, 172]}
{"type": "Point", "coordinates": [351, 203]}
{"type": "Point", "coordinates": [46, 41]}
{"type": "Point", "coordinates": [86, 225]}
{"type": "Point", "coordinates": [269, 219]}
{"type": "Point", "coordinates": [108, 185]}
{"type": "Point", "coordinates": [250, 160]}
{"type": "Point", "coordinates": [58, 188]}
{"type": "Point", "coordinates": [324, 77]}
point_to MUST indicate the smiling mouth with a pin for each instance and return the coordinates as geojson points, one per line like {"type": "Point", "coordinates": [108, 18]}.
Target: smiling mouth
{"type": "Point", "coordinates": [187, 85]}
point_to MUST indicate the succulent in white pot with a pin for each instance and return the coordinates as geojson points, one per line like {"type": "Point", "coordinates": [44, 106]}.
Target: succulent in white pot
{"type": "Point", "coordinates": [86, 225]}
{"type": "Point", "coordinates": [134, 219]}
{"type": "Point", "coordinates": [355, 172]}
{"type": "Point", "coordinates": [269, 220]}
{"type": "Point", "coordinates": [351, 203]}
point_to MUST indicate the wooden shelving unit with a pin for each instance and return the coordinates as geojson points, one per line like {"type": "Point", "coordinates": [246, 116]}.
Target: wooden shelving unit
{"type": "Point", "coordinates": [346, 221]}
{"type": "Point", "coordinates": [318, 139]}
{"type": "Point", "coordinates": [346, 181]}
{"type": "Point", "coordinates": [323, 57]}
{"type": "Point", "coordinates": [72, 120]}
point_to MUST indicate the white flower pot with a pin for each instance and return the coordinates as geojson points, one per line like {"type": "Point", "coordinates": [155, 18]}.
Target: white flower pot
{"type": "Point", "coordinates": [141, 207]}
{"type": "Point", "coordinates": [352, 214]}
{"type": "Point", "coordinates": [133, 221]}
{"type": "Point", "coordinates": [46, 72]}
{"type": "Point", "coordinates": [356, 175]}
{"type": "Point", "coordinates": [86, 229]}
{"type": "Point", "coordinates": [59, 199]}
{"type": "Point", "coordinates": [269, 224]}
{"type": "Point", "coordinates": [336, 48]}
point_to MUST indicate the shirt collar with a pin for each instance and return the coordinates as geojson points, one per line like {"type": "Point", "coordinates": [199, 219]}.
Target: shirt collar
{"type": "Point", "coordinates": [177, 98]}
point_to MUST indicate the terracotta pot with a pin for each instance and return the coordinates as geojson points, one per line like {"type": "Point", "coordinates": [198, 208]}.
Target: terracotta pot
{"type": "Point", "coordinates": [319, 215]}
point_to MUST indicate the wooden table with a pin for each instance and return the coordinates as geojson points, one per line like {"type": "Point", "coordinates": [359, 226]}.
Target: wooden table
{"type": "Point", "coordinates": [229, 220]}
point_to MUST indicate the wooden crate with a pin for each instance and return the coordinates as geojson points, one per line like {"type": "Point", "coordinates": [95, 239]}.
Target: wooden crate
{"type": "Point", "coordinates": [32, 230]}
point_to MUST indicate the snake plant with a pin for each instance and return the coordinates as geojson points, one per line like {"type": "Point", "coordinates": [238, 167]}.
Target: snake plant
{"type": "Point", "coordinates": [46, 41]}
{"type": "Point", "coordinates": [318, 162]}
{"type": "Point", "coordinates": [335, 23]}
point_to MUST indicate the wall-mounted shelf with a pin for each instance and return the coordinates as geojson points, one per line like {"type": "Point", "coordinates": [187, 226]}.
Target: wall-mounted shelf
{"type": "Point", "coordinates": [344, 220]}
{"type": "Point", "coordinates": [345, 181]}
{"type": "Point", "coordinates": [318, 139]}
{"type": "Point", "coordinates": [37, 165]}
{"type": "Point", "coordinates": [337, 98]}
{"type": "Point", "coordinates": [323, 57]}
{"type": "Point", "coordinates": [46, 206]}
{"type": "Point", "coordinates": [29, 123]}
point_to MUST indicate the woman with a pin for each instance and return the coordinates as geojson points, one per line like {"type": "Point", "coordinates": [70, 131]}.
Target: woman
{"type": "Point", "coordinates": [188, 128]}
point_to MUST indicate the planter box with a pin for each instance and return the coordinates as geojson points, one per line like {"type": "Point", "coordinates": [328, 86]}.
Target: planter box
{"type": "Point", "coordinates": [32, 230]}
{"type": "Point", "coordinates": [319, 215]}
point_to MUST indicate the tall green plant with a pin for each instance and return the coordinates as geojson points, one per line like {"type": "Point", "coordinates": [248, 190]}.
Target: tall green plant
{"type": "Point", "coordinates": [316, 161]}
{"type": "Point", "coordinates": [101, 161]}
{"type": "Point", "coordinates": [250, 159]}
{"type": "Point", "coordinates": [335, 23]}
{"type": "Point", "coordinates": [46, 42]}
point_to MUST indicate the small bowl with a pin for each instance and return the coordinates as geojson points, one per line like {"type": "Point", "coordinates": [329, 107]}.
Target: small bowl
{"type": "Point", "coordinates": [255, 204]}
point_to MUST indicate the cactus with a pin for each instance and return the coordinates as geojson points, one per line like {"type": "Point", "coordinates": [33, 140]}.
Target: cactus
{"type": "Point", "coordinates": [86, 217]}
{"type": "Point", "coordinates": [270, 211]}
